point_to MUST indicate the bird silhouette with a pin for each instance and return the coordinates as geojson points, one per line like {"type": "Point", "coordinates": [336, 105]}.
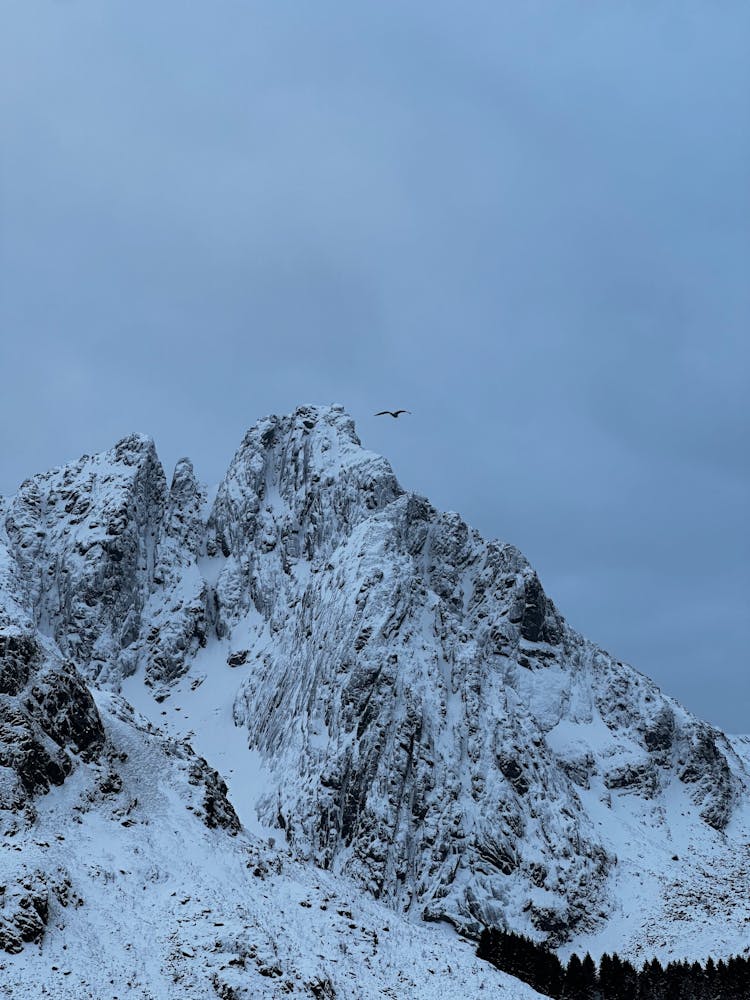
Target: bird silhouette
{"type": "Point", "coordinates": [391, 413]}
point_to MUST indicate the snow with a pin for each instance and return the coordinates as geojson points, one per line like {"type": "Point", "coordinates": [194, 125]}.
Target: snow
{"type": "Point", "coordinates": [165, 909]}
{"type": "Point", "coordinates": [199, 707]}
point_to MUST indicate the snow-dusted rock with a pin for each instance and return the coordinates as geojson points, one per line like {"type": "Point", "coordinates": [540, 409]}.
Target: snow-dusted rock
{"type": "Point", "coordinates": [428, 723]}
{"type": "Point", "coordinates": [177, 616]}
{"type": "Point", "coordinates": [84, 540]}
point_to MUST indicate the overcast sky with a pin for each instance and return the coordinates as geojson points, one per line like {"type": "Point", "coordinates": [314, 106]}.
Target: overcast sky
{"type": "Point", "coordinates": [528, 222]}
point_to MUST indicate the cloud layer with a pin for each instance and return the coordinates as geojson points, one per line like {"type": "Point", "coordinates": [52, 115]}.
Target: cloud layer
{"type": "Point", "coordinates": [529, 223]}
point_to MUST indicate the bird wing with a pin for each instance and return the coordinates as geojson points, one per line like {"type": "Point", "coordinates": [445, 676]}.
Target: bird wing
{"type": "Point", "coordinates": [383, 413]}
{"type": "Point", "coordinates": [401, 411]}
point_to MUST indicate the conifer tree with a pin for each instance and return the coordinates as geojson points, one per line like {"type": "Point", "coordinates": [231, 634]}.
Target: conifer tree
{"type": "Point", "coordinates": [651, 981]}
{"type": "Point", "coordinates": [629, 985]}
{"type": "Point", "coordinates": [590, 978]}
{"type": "Point", "coordinates": [573, 981]}
{"type": "Point", "coordinates": [610, 977]}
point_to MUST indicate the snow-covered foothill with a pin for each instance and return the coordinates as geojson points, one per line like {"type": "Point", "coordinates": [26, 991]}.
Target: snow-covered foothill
{"type": "Point", "coordinates": [147, 891]}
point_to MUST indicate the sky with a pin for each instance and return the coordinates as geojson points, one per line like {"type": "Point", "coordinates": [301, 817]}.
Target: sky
{"type": "Point", "coordinates": [527, 222]}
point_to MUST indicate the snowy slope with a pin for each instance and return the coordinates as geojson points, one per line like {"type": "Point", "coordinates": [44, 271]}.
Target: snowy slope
{"type": "Point", "coordinates": [143, 900]}
{"type": "Point", "coordinates": [391, 695]}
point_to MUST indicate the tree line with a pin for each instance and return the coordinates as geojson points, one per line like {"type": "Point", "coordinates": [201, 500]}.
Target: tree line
{"type": "Point", "coordinates": [613, 978]}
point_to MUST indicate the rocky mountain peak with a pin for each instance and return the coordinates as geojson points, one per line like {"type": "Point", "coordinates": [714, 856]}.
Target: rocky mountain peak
{"type": "Point", "coordinates": [297, 485]}
{"type": "Point", "coordinates": [133, 449]}
{"type": "Point", "coordinates": [285, 463]}
{"type": "Point", "coordinates": [430, 724]}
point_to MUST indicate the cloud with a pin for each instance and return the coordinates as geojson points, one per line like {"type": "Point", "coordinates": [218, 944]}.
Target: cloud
{"type": "Point", "coordinates": [529, 224]}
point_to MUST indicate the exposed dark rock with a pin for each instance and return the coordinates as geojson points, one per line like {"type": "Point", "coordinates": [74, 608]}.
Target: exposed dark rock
{"type": "Point", "coordinates": [513, 771]}
{"type": "Point", "coordinates": [638, 776]}
{"type": "Point", "coordinates": [660, 733]}
{"type": "Point", "coordinates": [24, 910]}
{"type": "Point", "coordinates": [46, 715]}
{"type": "Point", "coordinates": [19, 654]}
{"type": "Point", "coordinates": [551, 922]}
{"type": "Point", "coordinates": [534, 610]}
{"type": "Point", "coordinates": [238, 658]}
{"type": "Point", "coordinates": [217, 810]}
{"type": "Point", "coordinates": [707, 772]}
{"type": "Point", "coordinates": [28, 751]}
{"type": "Point", "coordinates": [59, 698]}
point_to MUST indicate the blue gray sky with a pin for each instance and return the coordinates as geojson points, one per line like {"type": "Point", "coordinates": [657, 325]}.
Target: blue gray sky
{"type": "Point", "coordinates": [528, 222]}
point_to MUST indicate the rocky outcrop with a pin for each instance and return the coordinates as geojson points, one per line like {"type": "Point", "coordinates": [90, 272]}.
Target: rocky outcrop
{"type": "Point", "coordinates": [47, 717]}
{"type": "Point", "coordinates": [105, 555]}
{"type": "Point", "coordinates": [24, 908]}
{"type": "Point", "coordinates": [84, 539]}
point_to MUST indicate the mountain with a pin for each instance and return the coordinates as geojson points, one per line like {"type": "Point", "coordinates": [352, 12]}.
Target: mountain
{"type": "Point", "coordinates": [411, 712]}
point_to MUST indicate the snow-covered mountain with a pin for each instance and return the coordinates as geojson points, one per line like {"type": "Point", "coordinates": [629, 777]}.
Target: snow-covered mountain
{"type": "Point", "coordinates": [411, 712]}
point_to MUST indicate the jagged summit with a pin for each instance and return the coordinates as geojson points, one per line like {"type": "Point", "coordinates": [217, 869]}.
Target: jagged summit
{"type": "Point", "coordinates": [428, 723]}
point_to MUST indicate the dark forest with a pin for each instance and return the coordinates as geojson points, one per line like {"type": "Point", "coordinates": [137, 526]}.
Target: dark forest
{"type": "Point", "coordinates": [613, 978]}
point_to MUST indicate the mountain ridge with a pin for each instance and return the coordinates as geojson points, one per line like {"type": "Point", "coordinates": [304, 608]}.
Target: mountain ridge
{"type": "Point", "coordinates": [430, 725]}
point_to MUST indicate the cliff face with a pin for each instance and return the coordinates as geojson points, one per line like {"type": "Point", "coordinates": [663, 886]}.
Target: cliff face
{"type": "Point", "coordinates": [430, 723]}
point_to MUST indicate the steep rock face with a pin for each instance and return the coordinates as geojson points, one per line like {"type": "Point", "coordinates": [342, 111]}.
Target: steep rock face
{"type": "Point", "coordinates": [399, 690]}
{"type": "Point", "coordinates": [178, 615]}
{"type": "Point", "coordinates": [431, 724]}
{"type": "Point", "coordinates": [426, 711]}
{"type": "Point", "coordinates": [41, 722]}
{"type": "Point", "coordinates": [294, 488]}
{"type": "Point", "coordinates": [106, 556]}
{"type": "Point", "coordinates": [84, 539]}
{"type": "Point", "coordinates": [48, 721]}
{"type": "Point", "coordinates": [47, 715]}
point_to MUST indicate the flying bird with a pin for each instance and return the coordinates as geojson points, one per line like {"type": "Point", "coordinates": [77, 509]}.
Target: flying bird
{"type": "Point", "coordinates": [391, 413]}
